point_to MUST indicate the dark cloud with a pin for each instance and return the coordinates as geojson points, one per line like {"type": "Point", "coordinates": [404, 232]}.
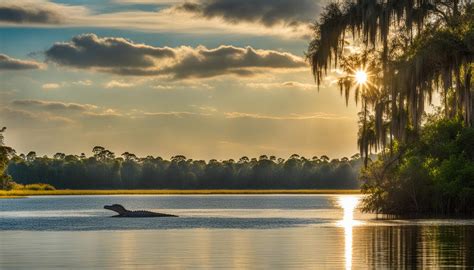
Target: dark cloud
{"type": "Point", "coordinates": [120, 56]}
{"type": "Point", "coordinates": [53, 105]}
{"type": "Point", "coordinates": [89, 50]}
{"type": "Point", "coordinates": [203, 62]}
{"type": "Point", "coordinates": [23, 14]}
{"type": "Point", "coordinates": [267, 12]}
{"type": "Point", "coordinates": [8, 63]}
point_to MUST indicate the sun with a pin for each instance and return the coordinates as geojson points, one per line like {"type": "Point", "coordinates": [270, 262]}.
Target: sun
{"type": "Point", "coordinates": [361, 76]}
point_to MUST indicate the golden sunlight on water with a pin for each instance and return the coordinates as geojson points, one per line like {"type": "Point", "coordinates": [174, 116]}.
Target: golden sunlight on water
{"type": "Point", "coordinates": [225, 232]}
{"type": "Point", "coordinates": [348, 204]}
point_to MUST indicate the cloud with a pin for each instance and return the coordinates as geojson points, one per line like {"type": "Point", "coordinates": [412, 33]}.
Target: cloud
{"type": "Point", "coordinates": [162, 87]}
{"type": "Point", "coordinates": [53, 86]}
{"type": "Point", "coordinates": [53, 105]}
{"type": "Point", "coordinates": [174, 114]}
{"type": "Point", "coordinates": [16, 118]}
{"type": "Point", "coordinates": [89, 50]}
{"type": "Point", "coordinates": [118, 84]}
{"type": "Point", "coordinates": [83, 83]}
{"type": "Point", "coordinates": [38, 12]}
{"type": "Point", "coordinates": [318, 115]}
{"type": "Point", "coordinates": [206, 109]}
{"type": "Point", "coordinates": [9, 63]}
{"type": "Point", "coordinates": [147, 2]}
{"type": "Point", "coordinates": [186, 84]}
{"type": "Point", "coordinates": [204, 63]}
{"type": "Point", "coordinates": [283, 85]}
{"type": "Point", "coordinates": [107, 113]}
{"type": "Point", "coordinates": [21, 14]}
{"type": "Point", "coordinates": [284, 18]}
{"type": "Point", "coordinates": [165, 20]}
{"type": "Point", "coordinates": [267, 12]}
{"type": "Point", "coordinates": [50, 86]}
{"type": "Point", "coordinates": [124, 57]}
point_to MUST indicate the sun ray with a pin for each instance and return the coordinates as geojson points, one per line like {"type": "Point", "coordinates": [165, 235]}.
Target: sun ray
{"type": "Point", "coordinates": [361, 76]}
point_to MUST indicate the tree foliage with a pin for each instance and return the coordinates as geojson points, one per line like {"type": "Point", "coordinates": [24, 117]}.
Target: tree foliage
{"type": "Point", "coordinates": [412, 50]}
{"type": "Point", "coordinates": [5, 153]}
{"type": "Point", "coordinates": [103, 170]}
{"type": "Point", "coordinates": [434, 176]}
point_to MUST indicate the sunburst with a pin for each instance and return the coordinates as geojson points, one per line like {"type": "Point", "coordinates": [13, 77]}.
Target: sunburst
{"type": "Point", "coordinates": [361, 77]}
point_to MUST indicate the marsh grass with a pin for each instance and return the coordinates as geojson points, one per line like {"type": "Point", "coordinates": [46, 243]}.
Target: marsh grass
{"type": "Point", "coordinates": [24, 192]}
{"type": "Point", "coordinates": [35, 187]}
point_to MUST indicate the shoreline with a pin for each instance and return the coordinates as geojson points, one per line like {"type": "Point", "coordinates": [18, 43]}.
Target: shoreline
{"type": "Point", "coordinates": [71, 192]}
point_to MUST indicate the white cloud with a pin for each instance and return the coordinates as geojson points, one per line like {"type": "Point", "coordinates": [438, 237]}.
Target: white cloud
{"type": "Point", "coordinates": [50, 86]}
{"type": "Point", "coordinates": [118, 84]}
{"type": "Point", "coordinates": [283, 85]}
{"type": "Point", "coordinates": [317, 115]}
{"type": "Point", "coordinates": [83, 82]}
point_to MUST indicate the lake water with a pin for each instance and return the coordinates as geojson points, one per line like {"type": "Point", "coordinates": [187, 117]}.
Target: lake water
{"type": "Point", "coordinates": [256, 231]}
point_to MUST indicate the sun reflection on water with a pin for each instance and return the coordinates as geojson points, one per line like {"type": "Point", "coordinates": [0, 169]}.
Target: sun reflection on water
{"type": "Point", "coordinates": [348, 204]}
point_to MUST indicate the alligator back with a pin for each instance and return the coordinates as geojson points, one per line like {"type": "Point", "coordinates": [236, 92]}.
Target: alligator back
{"type": "Point", "coordinates": [143, 214]}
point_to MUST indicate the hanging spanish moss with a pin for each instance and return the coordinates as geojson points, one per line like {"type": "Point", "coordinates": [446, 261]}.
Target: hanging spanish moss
{"type": "Point", "coordinates": [411, 49]}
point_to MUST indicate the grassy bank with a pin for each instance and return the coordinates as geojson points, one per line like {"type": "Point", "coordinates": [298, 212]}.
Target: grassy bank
{"type": "Point", "coordinates": [12, 193]}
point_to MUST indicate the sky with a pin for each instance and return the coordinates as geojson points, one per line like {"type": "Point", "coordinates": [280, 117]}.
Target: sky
{"type": "Point", "coordinates": [202, 78]}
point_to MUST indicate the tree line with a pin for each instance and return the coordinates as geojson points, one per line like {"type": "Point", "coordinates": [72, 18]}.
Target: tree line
{"type": "Point", "coordinates": [104, 170]}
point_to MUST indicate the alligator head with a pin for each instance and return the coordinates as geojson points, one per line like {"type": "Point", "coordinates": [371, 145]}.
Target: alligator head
{"type": "Point", "coordinates": [117, 208]}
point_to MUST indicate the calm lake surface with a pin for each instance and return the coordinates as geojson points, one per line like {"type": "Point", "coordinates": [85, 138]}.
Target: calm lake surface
{"type": "Point", "coordinates": [230, 231]}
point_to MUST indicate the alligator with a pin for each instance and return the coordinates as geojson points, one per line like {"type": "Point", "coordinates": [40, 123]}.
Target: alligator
{"type": "Point", "coordinates": [122, 212]}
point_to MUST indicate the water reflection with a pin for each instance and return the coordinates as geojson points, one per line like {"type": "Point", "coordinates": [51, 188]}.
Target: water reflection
{"type": "Point", "coordinates": [403, 244]}
{"type": "Point", "coordinates": [239, 232]}
{"type": "Point", "coordinates": [348, 204]}
{"type": "Point", "coordinates": [426, 247]}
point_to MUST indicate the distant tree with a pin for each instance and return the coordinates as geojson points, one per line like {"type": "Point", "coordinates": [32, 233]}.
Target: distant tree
{"type": "Point", "coordinates": [178, 158]}
{"type": "Point", "coordinates": [244, 159]}
{"type": "Point", "coordinates": [59, 156]}
{"type": "Point", "coordinates": [31, 156]}
{"type": "Point", "coordinates": [355, 156]}
{"type": "Point", "coordinates": [102, 154]}
{"type": "Point", "coordinates": [295, 156]}
{"type": "Point", "coordinates": [5, 154]}
{"type": "Point", "coordinates": [324, 158]}
{"type": "Point", "coordinates": [129, 156]}
{"type": "Point", "coordinates": [97, 150]}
